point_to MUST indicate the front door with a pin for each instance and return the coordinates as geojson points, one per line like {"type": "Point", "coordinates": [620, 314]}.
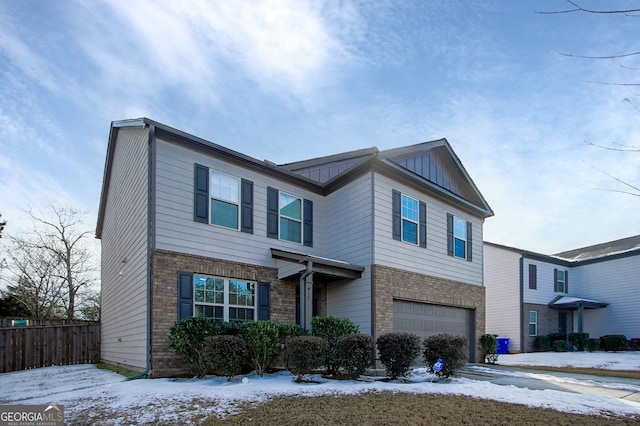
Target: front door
{"type": "Point", "coordinates": [562, 322]}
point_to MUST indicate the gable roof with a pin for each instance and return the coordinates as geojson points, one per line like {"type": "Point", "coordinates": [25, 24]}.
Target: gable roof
{"type": "Point", "coordinates": [431, 166]}
{"type": "Point", "coordinates": [610, 250]}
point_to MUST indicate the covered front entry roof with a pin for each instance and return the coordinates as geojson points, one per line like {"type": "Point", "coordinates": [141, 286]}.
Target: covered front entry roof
{"type": "Point", "coordinates": [574, 303]}
{"type": "Point", "coordinates": [324, 269]}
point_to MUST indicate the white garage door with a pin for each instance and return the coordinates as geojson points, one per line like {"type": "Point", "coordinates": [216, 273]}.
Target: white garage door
{"type": "Point", "coordinates": [426, 320]}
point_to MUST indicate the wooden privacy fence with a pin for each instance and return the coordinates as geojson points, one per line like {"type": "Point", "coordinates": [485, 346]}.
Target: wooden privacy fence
{"type": "Point", "coordinates": [36, 346]}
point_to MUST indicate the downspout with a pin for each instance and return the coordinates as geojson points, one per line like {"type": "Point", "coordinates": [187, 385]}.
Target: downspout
{"type": "Point", "coordinates": [303, 294]}
{"type": "Point", "coordinates": [523, 335]}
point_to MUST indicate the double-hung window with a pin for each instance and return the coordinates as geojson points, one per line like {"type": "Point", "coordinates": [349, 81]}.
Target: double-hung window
{"type": "Point", "coordinates": [290, 214]}
{"type": "Point", "coordinates": [560, 281]}
{"type": "Point", "coordinates": [533, 323]}
{"type": "Point", "coordinates": [224, 299]}
{"type": "Point", "coordinates": [225, 196]}
{"type": "Point", "coordinates": [409, 219]}
{"type": "Point", "coordinates": [459, 237]}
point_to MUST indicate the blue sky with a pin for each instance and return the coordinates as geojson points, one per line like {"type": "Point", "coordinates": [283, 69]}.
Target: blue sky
{"type": "Point", "coordinates": [290, 80]}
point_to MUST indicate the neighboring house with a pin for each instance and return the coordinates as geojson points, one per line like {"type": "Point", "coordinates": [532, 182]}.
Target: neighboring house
{"type": "Point", "coordinates": [594, 289]}
{"type": "Point", "coordinates": [389, 239]}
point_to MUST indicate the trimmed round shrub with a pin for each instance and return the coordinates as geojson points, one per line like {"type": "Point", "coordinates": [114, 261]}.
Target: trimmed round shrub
{"type": "Point", "coordinates": [398, 352]}
{"type": "Point", "coordinates": [452, 349]}
{"type": "Point", "coordinates": [578, 340]}
{"type": "Point", "coordinates": [226, 355]}
{"type": "Point", "coordinates": [541, 344]}
{"type": "Point", "coordinates": [305, 354]}
{"type": "Point", "coordinates": [593, 345]}
{"type": "Point", "coordinates": [634, 344]}
{"type": "Point", "coordinates": [489, 348]}
{"type": "Point", "coordinates": [187, 338]}
{"type": "Point", "coordinates": [559, 346]}
{"type": "Point", "coordinates": [331, 328]}
{"type": "Point", "coordinates": [262, 339]}
{"type": "Point", "coordinates": [614, 343]}
{"type": "Point", "coordinates": [356, 353]}
{"type": "Point", "coordinates": [290, 330]}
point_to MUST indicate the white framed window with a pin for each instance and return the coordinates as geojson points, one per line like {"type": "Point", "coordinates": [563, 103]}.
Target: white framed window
{"type": "Point", "coordinates": [290, 217]}
{"type": "Point", "coordinates": [459, 237]}
{"type": "Point", "coordinates": [225, 196]}
{"type": "Point", "coordinates": [410, 217]}
{"type": "Point", "coordinates": [224, 299]}
{"type": "Point", "coordinates": [533, 323]}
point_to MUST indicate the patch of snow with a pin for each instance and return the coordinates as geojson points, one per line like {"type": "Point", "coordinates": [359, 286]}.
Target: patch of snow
{"type": "Point", "coordinates": [85, 389]}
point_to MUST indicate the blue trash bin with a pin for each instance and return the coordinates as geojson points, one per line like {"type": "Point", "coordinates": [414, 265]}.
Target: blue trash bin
{"type": "Point", "coordinates": [503, 345]}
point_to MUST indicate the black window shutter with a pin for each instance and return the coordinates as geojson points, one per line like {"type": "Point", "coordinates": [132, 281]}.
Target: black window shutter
{"type": "Point", "coordinates": [264, 301]}
{"type": "Point", "coordinates": [246, 208]}
{"type": "Point", "coordinates": [555, 280]}
{"type": "Point", "coordinates": [449, 234]}
{"type": "Point", "coordinates": [423, 224]}
{"type": "Point", "coordinates": [201, 194]}
{"type": "Point", "coordinates": [469, 241]}
{"type": "Point", "coordinates": [272, 212]}
{"type": "Point", "coordinates": [566, 281]}
{"type": "Point", "coordinates": [185, 295]}
{"type": "Point", "coordinates": [533, 278]}
{"type": "Point", "coordinates": [396, 208]}
{"type": "Point", "coordinates": [307, 214]}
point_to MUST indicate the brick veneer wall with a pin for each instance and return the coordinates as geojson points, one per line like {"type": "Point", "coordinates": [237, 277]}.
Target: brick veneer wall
{"type": "Point", "coordinates": [164, 289]}
{"type": "Point", "coordinates": [390, 283]}
{"type": "Point", "coordinates": [548, 322]}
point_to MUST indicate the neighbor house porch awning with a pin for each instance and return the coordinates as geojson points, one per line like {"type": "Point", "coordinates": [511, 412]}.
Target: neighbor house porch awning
{"type": "Point", "coordinates": [324, 269]}
{"type": "Point", "coordinates": [574, 303]}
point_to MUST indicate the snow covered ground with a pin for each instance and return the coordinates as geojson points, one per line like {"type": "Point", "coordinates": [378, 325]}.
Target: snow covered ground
{"type": "Point", "coordinates": [84, 389]}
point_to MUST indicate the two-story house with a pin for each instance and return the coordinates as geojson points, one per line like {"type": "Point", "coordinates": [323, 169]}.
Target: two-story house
{"type": "Point", "coordinates": [389, 239]}
{"type": "Point", "coordinates": [594, 289]}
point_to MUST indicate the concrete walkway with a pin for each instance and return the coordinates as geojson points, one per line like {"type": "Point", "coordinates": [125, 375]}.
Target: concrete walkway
{"type": "Point", "coordinates": [626, 389]}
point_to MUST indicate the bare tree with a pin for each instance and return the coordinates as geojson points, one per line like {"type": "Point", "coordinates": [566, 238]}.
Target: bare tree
{"type": "Point", "coordinates": [36, 289]}
{"type": "Point", "coordinates": [2, 225]}
{"type": "Point", "coordinates": [62, 238]}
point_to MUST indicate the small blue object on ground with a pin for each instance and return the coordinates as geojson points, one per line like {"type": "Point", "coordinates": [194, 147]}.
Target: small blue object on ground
{"type": "Point", "coordinates": [503, 345]}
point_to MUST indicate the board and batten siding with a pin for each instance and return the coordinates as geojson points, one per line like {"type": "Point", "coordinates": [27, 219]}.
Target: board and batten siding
{"type": "Point", "coordinates": [349, 238]}
{"type": "Point", "coordinates": [177, 231]}
{"type": "Point", "coordinates": [432, 260]}
{"type": "Point", "coordinates": [124, 253]}
{"type": "Point", "coordinates": [502, 283]}
{"type": "Point", "coordinates": [616, 283]}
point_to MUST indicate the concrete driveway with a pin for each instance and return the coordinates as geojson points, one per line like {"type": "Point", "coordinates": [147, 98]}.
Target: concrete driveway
{"type": "Point", "coordinates": [626, 389]}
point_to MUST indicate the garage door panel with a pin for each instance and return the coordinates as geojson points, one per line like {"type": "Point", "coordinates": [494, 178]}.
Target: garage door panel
{"type": "Point", "coordinates": [426, 320]}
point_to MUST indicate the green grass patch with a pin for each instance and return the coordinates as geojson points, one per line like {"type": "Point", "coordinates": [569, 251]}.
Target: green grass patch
{"type": "Point", "coordinates": [123, 371]}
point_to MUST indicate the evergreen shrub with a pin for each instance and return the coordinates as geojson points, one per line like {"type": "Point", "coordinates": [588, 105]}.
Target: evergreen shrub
{"type": "Point", "coordinates": [356, 353]}
{"type": "Point", "coordinates": [398, 352]}
{"type": "Point", "coordinates": [305, 354]}
{"type": "Point", "coordinates": [453, 350]}
{"type": "Point", "coordinates": [226, 355]}
{"type": "Point", "coordinates": [331, 328]}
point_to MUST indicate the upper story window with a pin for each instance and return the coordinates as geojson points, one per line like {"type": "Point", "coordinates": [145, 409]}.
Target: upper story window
{"type": "Point", "coordinates": [224, 299]}
{"type": "Point", "coordinates": [409, 219]}
{"type": "Point", "coordinates": [533, 277]}
{"type": "Point", "coordinates": [225, 196]}
{"type": "Point", "coordinates": [290, 217]}
{"type": "Point", "coordinates": [460, 238]}
{"type": "Point", "coordinates": [561, 281]}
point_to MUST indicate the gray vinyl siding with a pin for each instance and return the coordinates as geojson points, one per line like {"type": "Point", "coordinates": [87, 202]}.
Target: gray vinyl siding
{"type": "Point", "coordinates": [349, 239]}
{"type": "Point", "coordinates": [177, 231]}
{"type": "Point", "coordinates": [124, 259]}
{"type": "Point", "coordinates": [544, 293]}
{"type": "Point", "coordinates": [502, 283]}
{"type": "Point", "coordinates": [433, 260]}
{"type": "Point", "coordinates": [615, 282]}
